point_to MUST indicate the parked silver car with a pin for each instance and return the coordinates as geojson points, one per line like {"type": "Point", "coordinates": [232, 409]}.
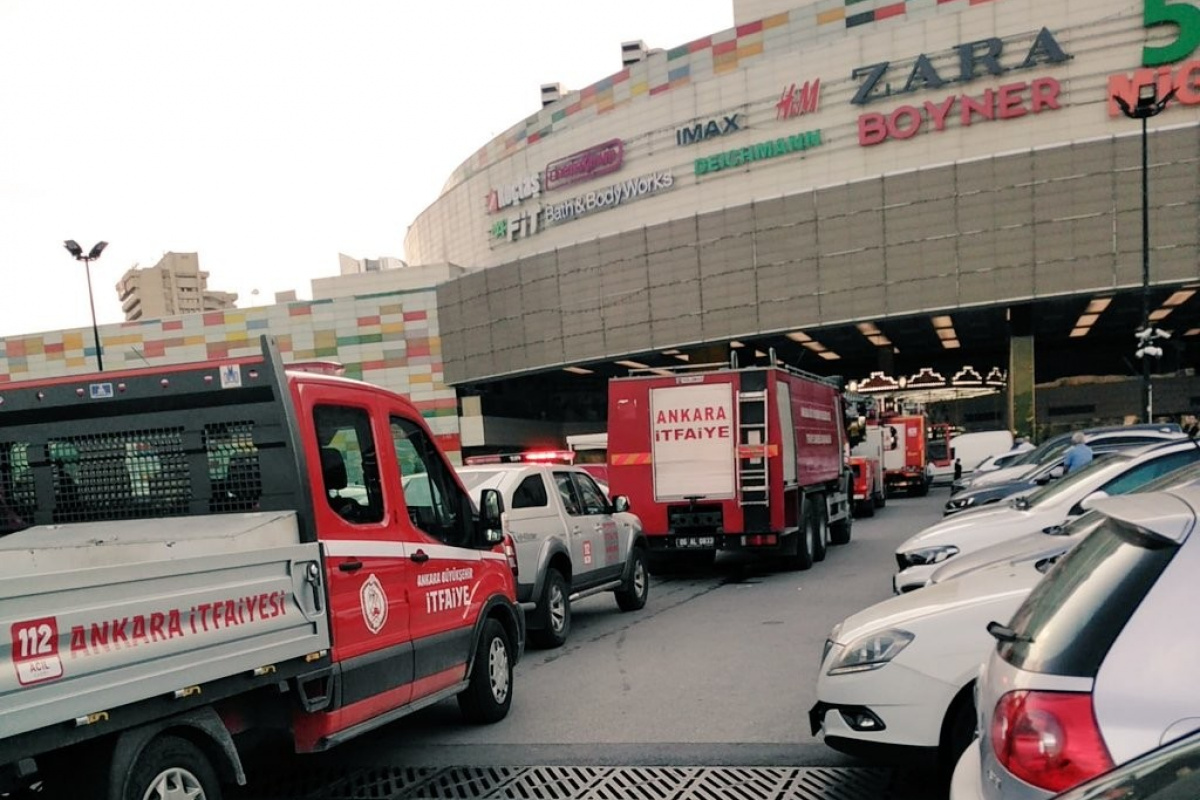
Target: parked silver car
{"type": "Point", "coordinates": [1097, 666]}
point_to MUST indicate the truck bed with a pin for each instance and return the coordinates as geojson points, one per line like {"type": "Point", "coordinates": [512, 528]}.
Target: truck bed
{"type": "Point", "coordinates": [99, 615]}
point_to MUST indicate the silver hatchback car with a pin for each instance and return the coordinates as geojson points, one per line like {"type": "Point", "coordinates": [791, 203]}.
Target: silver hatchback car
{"type": "Point", "coordinates": [1099, 663]}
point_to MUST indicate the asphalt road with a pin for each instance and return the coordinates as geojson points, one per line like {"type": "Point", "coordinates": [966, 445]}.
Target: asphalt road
{"type": "Point", "coordinates": [719, 669]}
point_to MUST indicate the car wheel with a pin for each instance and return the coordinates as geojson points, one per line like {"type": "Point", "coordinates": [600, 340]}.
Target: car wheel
{"type": "Point", "coordinates": [488, 695]}
{"type": "Point", "coordinates": [171, 766]}
{"type": "Point", "coordinates": [632, 595]}
{"type": "Point", "coordinates": [555, 612]}
{"type": "Point", "coordinates": [958, 730]}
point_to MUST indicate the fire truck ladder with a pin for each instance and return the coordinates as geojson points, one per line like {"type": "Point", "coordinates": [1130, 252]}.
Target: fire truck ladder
{"type": "Point", "coordinates": [753, 486]}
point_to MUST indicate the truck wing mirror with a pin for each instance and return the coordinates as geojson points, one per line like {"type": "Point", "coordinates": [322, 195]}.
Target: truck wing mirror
{"type": "Point", "coordinates": [620, 504]}
{"type": "Point", "coordinates": [491, 509]}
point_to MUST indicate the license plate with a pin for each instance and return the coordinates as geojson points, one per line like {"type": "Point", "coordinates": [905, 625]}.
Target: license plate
{"type": "Point", "coordinates": [696, 541]}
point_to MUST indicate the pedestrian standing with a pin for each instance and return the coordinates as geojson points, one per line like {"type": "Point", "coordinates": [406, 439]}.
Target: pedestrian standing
{"type": "Point", "coordinates": [1079, 456]}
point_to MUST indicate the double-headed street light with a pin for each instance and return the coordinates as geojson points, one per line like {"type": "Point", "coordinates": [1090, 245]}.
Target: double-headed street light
{"type": "Point", "coordinates": [75, 250]}
{"type": "Point", "coordinates": [1148, 105]}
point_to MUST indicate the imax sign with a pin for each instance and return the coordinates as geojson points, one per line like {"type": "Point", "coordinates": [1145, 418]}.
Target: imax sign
{"type": "Point", "coordinates": [708, 130]}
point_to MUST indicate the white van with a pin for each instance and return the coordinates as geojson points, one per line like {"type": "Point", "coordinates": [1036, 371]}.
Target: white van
{"type": "Point", "coordinates": [971, 449]}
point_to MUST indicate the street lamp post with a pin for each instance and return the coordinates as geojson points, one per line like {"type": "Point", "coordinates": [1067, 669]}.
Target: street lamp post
{"type": "Point", "coordinates": [1148, 105]}
{"type": "Point", "coordinates": [75, 250]}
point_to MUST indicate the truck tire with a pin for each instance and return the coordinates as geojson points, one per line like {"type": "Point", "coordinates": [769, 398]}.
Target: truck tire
{"type": "Point", "coordinates": [798, 554]}
{"type": "Point", "coordinates": [822, 536]}
{"type": "Point", "coordinates": [632, 595]}
{"type": "Point", "coordinates": [881, 499]}
{"type": "Point", "coordinates": [865, 508]}
{"type": "Point", "coordinates": [554, 612]}
{"type": "Point", "coordinates": [488, 695]}
{"type": "Point", "coordinates": [171, 767]}
{"type": "Point", "coordinates": [839, 531]}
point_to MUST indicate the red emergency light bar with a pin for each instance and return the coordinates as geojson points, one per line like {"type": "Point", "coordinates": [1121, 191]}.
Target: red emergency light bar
{"type": "Point", "coordinates": [528, 457]}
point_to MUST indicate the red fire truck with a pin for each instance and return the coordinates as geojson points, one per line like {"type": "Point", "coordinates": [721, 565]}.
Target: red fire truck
{"type": "Point", "coordinates": [727, 458]}
{"type": "Point", "coordinates": [905, 465]}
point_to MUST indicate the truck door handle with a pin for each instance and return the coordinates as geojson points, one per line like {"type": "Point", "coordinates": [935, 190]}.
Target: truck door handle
{"type": "Point", "coordinates": [350, 566]}
{"type": "Point", "coordinates": [420, 557]}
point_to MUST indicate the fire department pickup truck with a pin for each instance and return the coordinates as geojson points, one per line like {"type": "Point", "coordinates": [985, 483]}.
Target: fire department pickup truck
{"type": "Point", "coordinates": [571, 541]}
{"type": "Point", "coordinates": [727, 458]}
{"type": "Point", "coordinates": [192, 552]}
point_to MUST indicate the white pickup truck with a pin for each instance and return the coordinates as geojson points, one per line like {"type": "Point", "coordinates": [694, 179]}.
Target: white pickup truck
{"type": "Point", "coordinates": [571, 542]}
{"type": "Point", "coordinates": [190, 553]}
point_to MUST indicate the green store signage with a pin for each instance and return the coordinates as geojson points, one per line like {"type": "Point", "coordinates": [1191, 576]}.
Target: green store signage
{"type": "Point", "coordinates": [1183, 15]}
{"type": "Point", "coordinates": [762, 151]}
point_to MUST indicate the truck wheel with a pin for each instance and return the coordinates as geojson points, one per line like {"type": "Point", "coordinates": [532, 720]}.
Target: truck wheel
{"type": "Point", "coordinates": [822, 536]}
{"type": "Point", "coordinates": [555, 612]}
{"type": "Point", "coordinates": [839, 532]}
{"type": "Point", "coordinates": [632, 596]}
{"type": "Point", "coordinates": [171, 768]}
{"type": "Point", "coordinates": [798, 555]}
{"type": "Point", "coordinates": [881, 499]}
{"type": "Point", "coordinates": [489, 694]}
{"type": "Point", "coordinates": [866, 508]}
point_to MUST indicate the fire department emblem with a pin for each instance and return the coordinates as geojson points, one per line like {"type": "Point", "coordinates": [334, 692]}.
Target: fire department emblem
{"type": "Point", "coordinates": [374, 604]}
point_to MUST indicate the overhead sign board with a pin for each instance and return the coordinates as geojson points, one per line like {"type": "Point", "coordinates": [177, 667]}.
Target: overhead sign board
{"type": "Point", "coordinates": [585, 165]}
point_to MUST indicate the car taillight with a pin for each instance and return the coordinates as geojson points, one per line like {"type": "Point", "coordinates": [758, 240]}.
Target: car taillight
{"type": "Point", "coordinates": [510, 551]}
{"type": "Point", "coordinates": [1049, 739]}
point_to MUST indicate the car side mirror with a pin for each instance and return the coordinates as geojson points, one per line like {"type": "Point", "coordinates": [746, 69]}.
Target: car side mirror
{"type": "Point", "coordinates": [1089, 501]}
{"type": "Point", "coordinates": [620, 504]}
{"type": "Point", "coordinates": [491, 511]}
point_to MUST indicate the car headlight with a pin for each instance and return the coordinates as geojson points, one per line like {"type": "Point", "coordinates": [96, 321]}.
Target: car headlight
{"type": "Point", "coordinates": [871, 651]}
{"type": "Point", "coordinates": [957, 504]}
{"type": "Point", "coordinates": [930, 555]}
{"type": "Point", "coordinates": [833, 635]}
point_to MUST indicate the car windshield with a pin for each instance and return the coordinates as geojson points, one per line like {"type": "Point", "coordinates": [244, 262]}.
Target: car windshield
{"type": "Point", "coordinates": [1109, 463]}
{"type": "Point", "coordinates": [1043, 452]}
{"type": "Point", "coordinates": [476, 478]}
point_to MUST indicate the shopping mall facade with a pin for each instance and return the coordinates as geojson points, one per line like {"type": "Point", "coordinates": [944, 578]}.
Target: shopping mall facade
{"type": "Point", "coordinates": [912, 188]}
{"type": "Point", "coordinates": [937, 192]}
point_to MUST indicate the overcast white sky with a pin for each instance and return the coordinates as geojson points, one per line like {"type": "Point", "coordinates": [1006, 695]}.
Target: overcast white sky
{"type": "Point", "coordinates": [265, 135]}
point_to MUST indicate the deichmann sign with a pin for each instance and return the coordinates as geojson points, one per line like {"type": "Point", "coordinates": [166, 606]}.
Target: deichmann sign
{"type": "Point", "coordinates": [971, 56]}
{"type": "Point", "coordinates": [708, 130]}
{"type": "Point", "coordinates": [758, 152]}
{"type": "Point", "coordinates": [610, 197]}
{"type": "Point", "coordinates": [1009, 101]}
{"type": "Point", "coordinates": [585, 165]}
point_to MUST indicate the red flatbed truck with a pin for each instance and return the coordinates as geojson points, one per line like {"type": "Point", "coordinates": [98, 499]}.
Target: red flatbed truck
{"type": "Point", "coordinates": [722, 458]}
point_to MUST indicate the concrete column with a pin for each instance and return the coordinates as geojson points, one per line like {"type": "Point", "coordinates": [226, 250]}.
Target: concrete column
{"type": "Point", "coordinates": [1022, 405]}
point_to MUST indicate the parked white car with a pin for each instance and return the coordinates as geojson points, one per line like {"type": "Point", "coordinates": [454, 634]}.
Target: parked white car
{"type": "Point", "coordinates": [1052, 505]}
{"type": "Point", "coordinates": [896, 683]}
{"type": "Point", "coordinates": [1097, 666]}
{"type": "Point", "coordinates": [571, 541]}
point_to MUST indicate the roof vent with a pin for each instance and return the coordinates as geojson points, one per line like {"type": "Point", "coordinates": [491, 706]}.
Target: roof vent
{"type": "Point", "coordinates": [633, 52]}
{"type": "Point", "coordinates": [551, 93]}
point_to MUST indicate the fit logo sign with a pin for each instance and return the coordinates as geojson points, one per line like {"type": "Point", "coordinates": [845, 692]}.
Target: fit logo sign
{"type": "Point", "coordinates": [799, 100]}
{"type": "Point", "coordinates": [1160, 67]}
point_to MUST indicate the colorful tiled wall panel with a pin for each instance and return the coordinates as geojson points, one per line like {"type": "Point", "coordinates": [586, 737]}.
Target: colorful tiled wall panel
{"type": "Point", "coordinates": [715, 54]}
{"type": "Point", "coordinates": [388, 339]}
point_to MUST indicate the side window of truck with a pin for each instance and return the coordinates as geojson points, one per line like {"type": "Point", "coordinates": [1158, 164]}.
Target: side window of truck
{"type": "Point", "coordinates": [569, 496]}
{"type": "Point", "coordinates": [435, 503]}
{"type": "Point", "coordinates": [593, 498]}
{"type": "Point", "coordinates": [349, 463]}
{"type": "Point", "coordinates": [531, 493]}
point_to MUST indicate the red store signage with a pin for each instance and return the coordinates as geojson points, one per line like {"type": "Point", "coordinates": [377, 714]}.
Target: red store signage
{"type": "Point", "coordinates": [585, 165]}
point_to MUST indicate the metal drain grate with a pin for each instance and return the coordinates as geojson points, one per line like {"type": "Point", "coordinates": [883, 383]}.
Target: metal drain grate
{"type": "Point", "coordinates": [581, 783]}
